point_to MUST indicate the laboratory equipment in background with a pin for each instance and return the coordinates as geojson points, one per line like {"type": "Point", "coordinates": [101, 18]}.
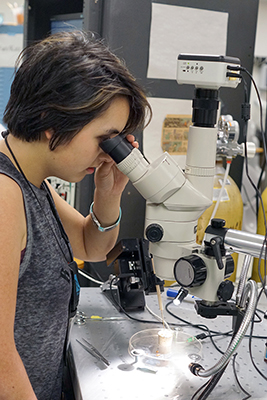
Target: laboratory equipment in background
{"type": "Point", "coordinates": [230, 208]}
{"type": "Point", "coordinates": [59, 23]}
{"type": "Point", "coordinates": [11, 39]}
{"type": "Point", "coordinates": [227, 199]}
{"type": "Point", "coordinates": [176, 199]}
{"type": "Point", "coordinates": [134, 275]}
{"type": "Point", "coordinates": [261, 230]}
{"type": "Point", "coordinates": [66, 190]}
{"type": "Point", "coordinates": [131, 23]}
{"type": "Point", "coordinates": [18, 12]}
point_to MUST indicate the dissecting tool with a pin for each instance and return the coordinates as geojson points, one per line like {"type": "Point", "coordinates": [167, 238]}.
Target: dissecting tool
{"type": "Point", "coordinates": [80, 318]}
{"type": "Point", "coordinates": [93, 351]}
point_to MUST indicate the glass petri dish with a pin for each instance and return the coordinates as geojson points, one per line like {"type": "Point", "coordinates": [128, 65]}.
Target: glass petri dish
{"type": "Point", "coordinates": [148, 345]}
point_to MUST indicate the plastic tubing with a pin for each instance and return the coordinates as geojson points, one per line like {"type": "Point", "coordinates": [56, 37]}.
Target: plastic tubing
{"type": "Point", "coordinates": [228, 164]}
{"type": "Point", "coordinates": [250, 289]}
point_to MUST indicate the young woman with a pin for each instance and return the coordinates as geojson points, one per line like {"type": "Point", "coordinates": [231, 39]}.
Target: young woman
{"type": "Point", "coordinates": [69, 93]}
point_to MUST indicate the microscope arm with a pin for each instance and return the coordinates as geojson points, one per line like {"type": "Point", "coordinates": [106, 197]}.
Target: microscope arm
{"type": "Point", "coordinates": [244, 243]}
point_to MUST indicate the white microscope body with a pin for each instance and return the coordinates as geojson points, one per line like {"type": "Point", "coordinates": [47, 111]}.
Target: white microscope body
{"type": "Point", "coordinates": [176, 199]}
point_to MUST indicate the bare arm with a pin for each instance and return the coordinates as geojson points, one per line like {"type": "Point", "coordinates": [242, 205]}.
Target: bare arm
{"type": "Point", "coordinates": [14, 382]}
{"type": "Point", "coordinates": [88, 243]}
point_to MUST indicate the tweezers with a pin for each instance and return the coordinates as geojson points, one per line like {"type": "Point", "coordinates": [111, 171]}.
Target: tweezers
{"type": "Point", "coordinates": [93, 351]}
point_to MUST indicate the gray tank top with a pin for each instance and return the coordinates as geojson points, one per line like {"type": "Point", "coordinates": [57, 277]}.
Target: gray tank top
{"type": "Point", "coordinates": [44, 290]}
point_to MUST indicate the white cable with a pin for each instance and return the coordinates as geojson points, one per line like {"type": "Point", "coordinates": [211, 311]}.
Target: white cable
{"type": "Point", "coordinates": [228, 164]}
{"type": "Point", "coordinates": [158, 317]}
{"type": "Point", "coordinates": [90, 278]}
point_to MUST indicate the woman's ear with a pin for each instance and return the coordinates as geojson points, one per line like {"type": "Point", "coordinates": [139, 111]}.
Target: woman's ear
{"type": "Point", "coordinates": [48, 134]}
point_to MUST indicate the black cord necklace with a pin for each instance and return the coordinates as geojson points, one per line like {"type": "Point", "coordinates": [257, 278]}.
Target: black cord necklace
{"type": "Point", "coordinates": [49, 197]}
{"type": "Point", "coordinates": [75, 292]}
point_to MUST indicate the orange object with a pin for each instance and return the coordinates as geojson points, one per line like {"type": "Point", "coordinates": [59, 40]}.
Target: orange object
{"type": "Point", "coordinates": [80, 263]}
{"type": "Point", "coordinates": [261, 231]}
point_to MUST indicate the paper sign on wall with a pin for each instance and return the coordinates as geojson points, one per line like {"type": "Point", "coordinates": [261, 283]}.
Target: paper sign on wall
{"type": "Point", "coordinates": [176, 30]}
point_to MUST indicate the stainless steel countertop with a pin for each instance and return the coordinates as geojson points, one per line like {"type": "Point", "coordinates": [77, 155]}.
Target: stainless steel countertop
{"type": "Point", "coordinates": [122, 379]}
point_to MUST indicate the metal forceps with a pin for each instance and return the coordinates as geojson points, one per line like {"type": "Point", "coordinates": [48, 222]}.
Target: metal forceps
{"type": "Point", "coordinates": [93, 351]}
{"type": "Point", "coordinates": [80, 318]}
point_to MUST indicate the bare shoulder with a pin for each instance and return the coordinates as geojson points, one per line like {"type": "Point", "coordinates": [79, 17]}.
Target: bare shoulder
{"type": "Point", "coordinates": [10, 192]}
{"type": "Point", "coordinates": [12, 240]}
{"type": "Point", "coordinates": [12, 214]}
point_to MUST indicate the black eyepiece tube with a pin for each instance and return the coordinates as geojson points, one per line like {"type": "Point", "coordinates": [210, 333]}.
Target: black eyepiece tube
{"type": "Point", "coordinates": [118, 148]}
{"type": "Point", "coordinates": [205, 106]}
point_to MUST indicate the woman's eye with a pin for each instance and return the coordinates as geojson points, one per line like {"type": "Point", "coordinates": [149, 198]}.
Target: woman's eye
{"type": "Point", "coordinates": [102, 138]}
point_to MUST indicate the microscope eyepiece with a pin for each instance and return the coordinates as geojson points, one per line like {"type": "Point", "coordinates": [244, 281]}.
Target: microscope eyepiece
{"type": "Point", "coordinates": [118, 148]}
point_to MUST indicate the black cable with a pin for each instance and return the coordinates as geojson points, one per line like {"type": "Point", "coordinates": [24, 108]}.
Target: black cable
{"type": "Point", "coordinates": [206, 329]}
{"type": "Point", "coordinates": [207, 389]}
{"type": "Point", "coordinates": [95, 271]}
{"type": "Point", "coordinates": [265, 138]}
{"type": "Point", "coordinates": [248, 200]}
{"type": "Point", "coordinates": [209, 386]}
{"type": "Point", "coordinates": [246, 167]}
{"type": "Point", "coordinates": [262, 279]}
{"type": "Point", "coordinates": [214, 344]}
{"type": "Point", "coordinates": [49, 198]}
{"type": "Point", "coordinates": [202, 327]}
{"type": "Point", "coordinates": [237, 380]}
{"type": "Point", "coordinates": [203, 336]}
{"type": "Point", "coordinates": [250, 344]}
{"type": "Point", "coordinates": [214, 380]}
{"type": "Point", "coordinates": [261, 115]}
{"type": "Point", "coordinates": [130, 316]}
{"type": "Point", "coordinates": [258, 196]}
{"type": "Point", "coordinates": [259, 320]}
{"type": "Point", "coordinates": [199, 389]}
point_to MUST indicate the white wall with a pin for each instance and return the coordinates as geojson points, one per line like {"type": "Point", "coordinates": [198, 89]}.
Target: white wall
{"type": "Point", "coordinates": [261, 34]}
{"type": "Point", "coordinates": [260, 58]}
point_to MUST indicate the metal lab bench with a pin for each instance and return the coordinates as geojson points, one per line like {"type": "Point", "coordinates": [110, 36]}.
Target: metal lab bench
{"type": "Point", "coordinates": [93, 380]}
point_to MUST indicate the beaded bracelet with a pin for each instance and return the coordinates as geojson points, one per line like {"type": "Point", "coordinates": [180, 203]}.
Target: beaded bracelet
{"type": "Point", "coordinates": [97, 223]}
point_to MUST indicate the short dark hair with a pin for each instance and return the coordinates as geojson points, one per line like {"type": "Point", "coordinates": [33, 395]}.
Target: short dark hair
{"type": "Point", "coordinates": [65, 81]}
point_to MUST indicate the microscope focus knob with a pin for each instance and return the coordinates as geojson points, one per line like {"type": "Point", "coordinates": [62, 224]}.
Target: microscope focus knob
{"type": "Point", "coordinates": [190, 271]}
{"type": "Point", "coordinates": [225, 290]}
{"type": "Point", "coordinates": [154, 233]}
